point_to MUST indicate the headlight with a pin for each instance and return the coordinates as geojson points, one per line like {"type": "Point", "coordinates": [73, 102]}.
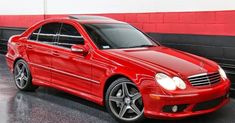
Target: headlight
{"type": "Point", "coordinates": [222, 73]}
{"type": "Point", "coordinates": [165, 81]}
{"type": "Point", "coordinates": [179, 83]}
{"type": "Point", "coordinates": [170, 83]}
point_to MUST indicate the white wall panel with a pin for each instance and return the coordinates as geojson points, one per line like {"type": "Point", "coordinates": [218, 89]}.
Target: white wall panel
{"type": "Point", "coordinates": [21, 7]}
{"type": "Point", "coordinates": [36, 7]}
{"type": "Point", "coordinates": [135, 6]}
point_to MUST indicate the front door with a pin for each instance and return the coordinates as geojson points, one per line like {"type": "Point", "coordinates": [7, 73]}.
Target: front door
{"type": "Point", "coordinates": [70, 70]}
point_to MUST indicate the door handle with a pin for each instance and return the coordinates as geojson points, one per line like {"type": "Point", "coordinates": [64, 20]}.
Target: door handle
{"type": "Point", "coordinates": [29, 46]}
{"type": "Point", "coordinates": [55, 53]}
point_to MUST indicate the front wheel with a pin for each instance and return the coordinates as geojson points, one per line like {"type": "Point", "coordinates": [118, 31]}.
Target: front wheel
{"type": "Point", "coordinates": [124, 101]}
{"type": "Point", "coordinates": [22, 76]}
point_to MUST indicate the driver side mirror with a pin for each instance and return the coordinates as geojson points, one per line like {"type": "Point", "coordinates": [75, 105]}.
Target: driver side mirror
{"type": "Point", "coordinates": [82, 49]}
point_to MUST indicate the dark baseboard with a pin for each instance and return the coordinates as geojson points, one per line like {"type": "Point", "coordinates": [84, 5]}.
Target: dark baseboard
{"type": "Point", "coordinates": [217, 48]}
{"type": "Point", "coordinates": [5, 34]}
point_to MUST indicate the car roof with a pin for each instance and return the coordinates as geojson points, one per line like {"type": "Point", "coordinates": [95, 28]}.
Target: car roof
{"type": "Point", "coordinates": [93, 19]}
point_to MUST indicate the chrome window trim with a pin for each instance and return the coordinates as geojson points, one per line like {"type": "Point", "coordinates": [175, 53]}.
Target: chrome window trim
{"type": "Point", "coordinates": [68, 49]}
{"type": "Point", "coordinates": [70, 36]}
{"type": "Point", "coordinates": [45, 34]}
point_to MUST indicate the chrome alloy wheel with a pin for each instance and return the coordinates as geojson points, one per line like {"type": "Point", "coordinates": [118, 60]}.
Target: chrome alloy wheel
{"type": "Point", "coordinates": [21, 75]}
{"type": "Point", "coordinates": [125, 101]}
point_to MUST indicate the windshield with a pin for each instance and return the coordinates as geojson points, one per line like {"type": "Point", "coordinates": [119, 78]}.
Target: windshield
{"type": "Point", "coordinates": [116, 36]}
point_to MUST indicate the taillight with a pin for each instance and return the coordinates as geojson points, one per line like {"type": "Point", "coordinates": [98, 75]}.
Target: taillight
{"type": "Point", "coordinates": [12, 40]}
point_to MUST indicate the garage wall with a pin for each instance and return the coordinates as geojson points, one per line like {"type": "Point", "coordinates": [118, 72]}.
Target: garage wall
{"type": "Point", "coordinates": [202, 27]}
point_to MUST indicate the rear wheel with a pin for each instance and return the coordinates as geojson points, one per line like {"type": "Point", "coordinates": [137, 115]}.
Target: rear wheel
{"type": "Point", "coordinates": [124, 101]}
{"type": "Point", "coordinates": [22, 76]}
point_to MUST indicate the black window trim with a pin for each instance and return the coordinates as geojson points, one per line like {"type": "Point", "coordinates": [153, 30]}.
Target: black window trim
{"type": "Point", "coordinates": [39, 30]}
{"type": "Point", "coordinates": [39, 33]}
{"type": "Point", "coordinates": [59, 34]}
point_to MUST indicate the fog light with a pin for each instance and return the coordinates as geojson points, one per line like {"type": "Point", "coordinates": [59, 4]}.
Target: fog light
{"type": "Point", "coordinates": [174, 108]}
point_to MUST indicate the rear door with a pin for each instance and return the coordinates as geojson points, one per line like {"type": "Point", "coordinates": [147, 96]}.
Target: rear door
{"type": "Point", "coordinates": [39, 46]}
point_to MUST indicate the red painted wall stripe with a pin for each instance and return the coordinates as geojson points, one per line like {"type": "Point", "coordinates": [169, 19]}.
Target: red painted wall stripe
{"type": "Point", "coordinates": [203, 23]}
{"type": "Point", "coordinates": [19, 20]}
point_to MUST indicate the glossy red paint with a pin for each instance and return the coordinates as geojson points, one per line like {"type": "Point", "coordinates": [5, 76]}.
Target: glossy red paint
{"type": "Point", "coordinates": [86, 75]}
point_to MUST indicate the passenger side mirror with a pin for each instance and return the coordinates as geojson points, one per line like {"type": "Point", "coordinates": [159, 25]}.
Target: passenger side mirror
{"type": "Point", "coordinates": [82, 49]}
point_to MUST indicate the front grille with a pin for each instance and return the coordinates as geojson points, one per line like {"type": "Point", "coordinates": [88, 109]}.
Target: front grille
{"type": "Point", "coordinates": [208, 104]}
{"type": "Point", "coordinates": [204, 79]}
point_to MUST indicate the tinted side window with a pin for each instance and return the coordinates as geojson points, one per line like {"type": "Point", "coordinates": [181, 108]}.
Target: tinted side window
{"type": "Point", "coordinates": [34, 35]}
{"type": "Point", "coordinates": [69, 36]}
{"type": "Point", "coordinates": [48, 33]}
{"type": "Point", "coordinates": [97, 38]}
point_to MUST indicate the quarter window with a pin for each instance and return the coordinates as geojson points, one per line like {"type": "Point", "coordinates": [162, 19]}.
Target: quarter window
{"type": "Point", "coordinates": [34, 35]}
{"type": "Point", "coordinates": [69, 36]}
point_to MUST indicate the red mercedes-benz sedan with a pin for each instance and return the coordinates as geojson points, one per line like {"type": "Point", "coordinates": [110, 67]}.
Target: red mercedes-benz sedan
{"type": "Point", "coordinates": [114, 64]}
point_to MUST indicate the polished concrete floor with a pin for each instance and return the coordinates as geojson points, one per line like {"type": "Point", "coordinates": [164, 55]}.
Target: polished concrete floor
{"type": "Point", "coordinates": [48, 105]}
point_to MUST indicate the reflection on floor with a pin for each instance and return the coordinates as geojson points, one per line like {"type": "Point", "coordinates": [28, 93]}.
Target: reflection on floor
{"type": "Point", "coordinates": [50, 105]}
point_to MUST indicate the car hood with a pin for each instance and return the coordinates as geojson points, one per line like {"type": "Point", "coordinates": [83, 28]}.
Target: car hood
{"type": "Point", "coordinates": [164, 58]}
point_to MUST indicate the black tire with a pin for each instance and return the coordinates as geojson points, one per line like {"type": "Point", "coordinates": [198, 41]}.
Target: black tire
{"type": "Point", "coordinates": [116, 92]}
{"type": "Point", "coordinates": [22, 76]}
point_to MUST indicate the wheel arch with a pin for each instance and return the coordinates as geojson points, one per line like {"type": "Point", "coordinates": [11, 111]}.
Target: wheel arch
{"type": "Point", "coordinates": [110, 80]}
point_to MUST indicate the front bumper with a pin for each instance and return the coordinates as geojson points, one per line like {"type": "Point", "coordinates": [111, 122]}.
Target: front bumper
{"type": "Point", "coordinates": [199, 102]}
